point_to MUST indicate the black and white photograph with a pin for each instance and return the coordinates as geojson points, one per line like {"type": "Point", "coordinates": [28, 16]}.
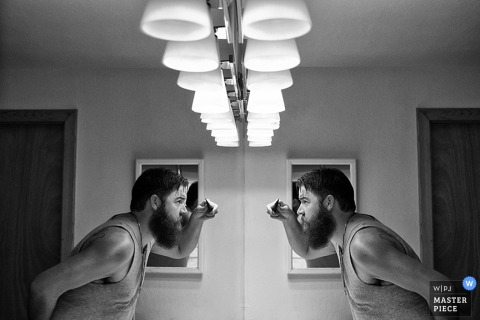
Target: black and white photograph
{"type": "Point", "coordinates": [239, 159]}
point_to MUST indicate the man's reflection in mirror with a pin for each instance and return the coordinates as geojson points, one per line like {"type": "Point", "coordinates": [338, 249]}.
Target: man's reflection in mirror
{"type": "Point", "coordinates": [156, 260]}
{"type": "Point", "coordinates": [330, 261]}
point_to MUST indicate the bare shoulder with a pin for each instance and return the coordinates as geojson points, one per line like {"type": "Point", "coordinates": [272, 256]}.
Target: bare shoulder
{"type": "Point", "coordinates": [372, 244]}
{"type": "Point", "coordinates": [111, 243]}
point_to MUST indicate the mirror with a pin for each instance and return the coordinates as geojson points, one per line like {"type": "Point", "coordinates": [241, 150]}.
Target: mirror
{"type": "Point", "coordinates": [192, 169]}
{"type": "Point", "coordinates": [327, 265]}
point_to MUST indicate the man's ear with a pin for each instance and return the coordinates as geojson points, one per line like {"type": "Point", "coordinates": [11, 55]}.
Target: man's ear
{"type": "Point", "coordinates": [330, 201]}
{"type": "Point", "coordinates": [155, 202]}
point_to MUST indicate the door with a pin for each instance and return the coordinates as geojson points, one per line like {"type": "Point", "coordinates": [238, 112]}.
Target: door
{"type": "Point", "coordinates": [37, 150]}
{"type": "Point", "coordinates": [449, 164]}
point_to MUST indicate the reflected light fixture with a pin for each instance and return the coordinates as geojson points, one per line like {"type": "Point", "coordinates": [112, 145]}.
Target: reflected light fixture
{"type": "Point", "coordinates": [236, 56]}
{"type": "Point", "coordinates": [276, 20]}
{"type": "Point", "coordinates": [266, 101]}
{"type": "Point", "coordinates": [263, 117]}
{"type": "Point", "coordinates": [210, 101]}
{"type": "Point", "coordinates": [202, 81]}
{"type": "Point", "coordinates": [177, 20]}
{"type": "Point", "coordinates": [274, 55]}
{"type": "Point", "coordinates": [194, 56]}
{"type": "Point", "coordinates": [269, 80]}
{"type": "Point", "coordinates": [217, 117]}
{"type": "Point", "coordinates": [263, 125]}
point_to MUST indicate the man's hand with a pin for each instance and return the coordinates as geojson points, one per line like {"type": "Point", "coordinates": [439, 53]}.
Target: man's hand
{"type": "Point", "coordinates": [206, 210]}
{"type": "Point", "coordinates": [279, 210]}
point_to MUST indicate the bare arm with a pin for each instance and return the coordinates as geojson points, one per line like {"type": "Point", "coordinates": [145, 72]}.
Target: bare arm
{"type": "Point", "coordinates": [375, 254]}
{"type": "Point", "coordinates": [294, 232]}
{"type": "Point", "coordinates": [190, 232]}
{"type": "Point", "coordinates": [108, 253]}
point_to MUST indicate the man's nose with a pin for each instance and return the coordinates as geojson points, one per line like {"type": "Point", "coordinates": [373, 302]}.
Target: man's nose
{"type": "Point", "coordinates": [183, 210]}
{"type": "Point", "coordinates": [300, 210]}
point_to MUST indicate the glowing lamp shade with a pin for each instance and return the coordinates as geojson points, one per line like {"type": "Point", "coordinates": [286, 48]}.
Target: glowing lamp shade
{"type": "Point", "coordinates": [276, 80]}
{"type": "Point", "coordinates": [194, 56]}
{"type": "Point", "coordinates": [263, 117]}
{"type": "Point", "coordinates": [270, 56]}
{"type": "Point", "coordinates": [201, 81]}
{"type": "Point", "coordinates": [217, 117]}
{"type": "Point", "coordinates": [276, 19]}
{"type": "Point", "coordinates": [227, 139]}
{"type": "Point", "coordinates": [224, 133]}
{"type": "Point", "coordinates": [227, 143]}
{"type": "Point", "coordinates": [259, 143]}
{"type": "Point", "coordinates": [264, 101]}
{"type": "Point", "coordinates": [177, 20]}
{"type": "Point", "coordinates": [263, 125]}
{"type": "Point", "coordinates": [221, 126]}
{"type": "Point", "coordinates": [211, 102]}
{"type": "Point", "coordinates": [259, 133]}
{"type": "Point", "coordinates": [259, 139]}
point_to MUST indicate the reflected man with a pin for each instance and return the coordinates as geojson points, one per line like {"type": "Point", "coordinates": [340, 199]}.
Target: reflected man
{"type": "Point", "coordinates": [382, 275]}
{"type": "Point", "coordinates": [156, 260]}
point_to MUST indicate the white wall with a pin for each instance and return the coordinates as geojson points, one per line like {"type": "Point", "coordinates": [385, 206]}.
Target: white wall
{"type": "Point", "coordinates": [367, 114]}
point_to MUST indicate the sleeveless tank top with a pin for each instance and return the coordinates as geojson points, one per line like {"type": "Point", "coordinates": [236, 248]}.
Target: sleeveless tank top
{"type": "Point", "coordinates": [375, 301]}
{"type": "Point", "coordinates": [115, 301]}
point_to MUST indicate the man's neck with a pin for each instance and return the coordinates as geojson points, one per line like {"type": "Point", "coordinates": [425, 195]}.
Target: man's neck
{"type": "Point", "coordinates": [341, 218]}
{"type": "Point", "coordinates": [143, 217]}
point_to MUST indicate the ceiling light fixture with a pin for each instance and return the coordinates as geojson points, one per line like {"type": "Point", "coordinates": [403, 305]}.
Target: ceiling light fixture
{"type": "Point", "coordinates": [194, 56]}
{"type": "Point", "coordinates": [259, 35]}
{"type": "Point", "coordinates": [177, 20]}
{"type": "Point", "coordinates": [201, 81]}
{"type": "Point", "coordinates": [276, 20]}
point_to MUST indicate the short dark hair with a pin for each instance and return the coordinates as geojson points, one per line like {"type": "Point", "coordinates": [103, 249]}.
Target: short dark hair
{"type": "Point", "coordinates": [192, 194]}
{"type": "Point", "coordinates": [325, 181]}
{"type": "Point", "coordinates": [159, 181]}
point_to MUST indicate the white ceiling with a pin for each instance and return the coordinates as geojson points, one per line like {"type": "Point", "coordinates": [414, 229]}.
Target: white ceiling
{"type": "Point", "coordinates": [345, 33]}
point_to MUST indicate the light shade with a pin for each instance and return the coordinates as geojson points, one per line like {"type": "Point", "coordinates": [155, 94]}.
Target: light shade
{"type": "Point", "coordinates": [252, 133]}
{"type": "Point", "coordinates": [177, 20]}
{"type": "Point", "coordinates": [275, 19]}
{"type": "Point", "coordinates": [227, 143]}
{"type": "Point", "coordinates": [201, 81]}
{"type": "Point", "coordinates": [211, 102]}
{"type": "Point", "coordinates": [221, 126]}
{"type": "Point", "coordinates": [259, 139]}
{"type": "Point", "coordinates": [263, 125]}
{"type": "Point", "coordinates": [194, 56]}
{"type": "Point", "coordinates": [227, 139]}
{"type": "Point", "coordinates": [217, 117]}
{"type": "Point", "coordinates": [276, 80]}
{"type": "Point", "coordinates": [271, 55]}
{"type": "Point", "coordinates": [263, 117]}
{"type": "Point", "coordinates": [259, 143]}
{"type": "Point", "coordinates": [224, 133]}
{"type": "Point", "coordinates": [264, 101]}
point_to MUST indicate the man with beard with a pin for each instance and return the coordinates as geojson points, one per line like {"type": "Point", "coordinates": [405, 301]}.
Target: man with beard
{"type": "Point", "coordinates": [382, 276]}
{"type": "Point", "coordinates": [191, 203]}
{"type": "Point", "coordinates": [104, 274]}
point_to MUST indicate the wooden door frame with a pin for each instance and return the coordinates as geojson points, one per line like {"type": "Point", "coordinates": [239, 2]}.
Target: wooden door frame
{"type": "Point", "coordinates": [425, 117]}
{"type": "Point", "coordinates": [67, 117]}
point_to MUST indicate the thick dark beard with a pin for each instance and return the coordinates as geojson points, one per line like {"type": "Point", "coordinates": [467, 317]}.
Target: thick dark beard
{"type": "Point", "coordinates": [319, 231]}
{"type": "Point", "coordinates": [164, 228]}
